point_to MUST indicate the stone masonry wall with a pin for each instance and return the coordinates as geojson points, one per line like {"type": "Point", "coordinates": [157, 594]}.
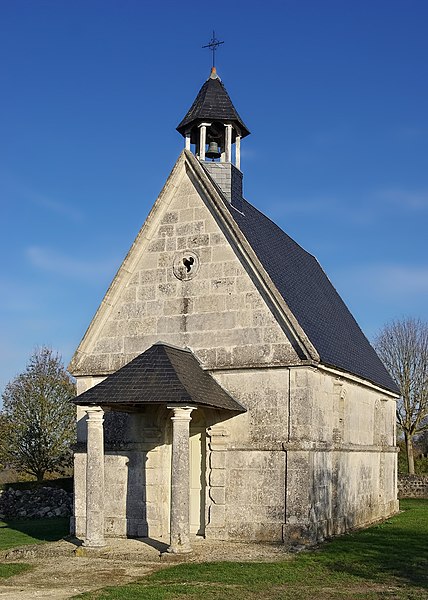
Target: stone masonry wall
{"type": "Point", "coordinates": [413, 486]}
{"type": "Point", "coordinates": [217, 311]}
{"type": "Point", "coordinates": [341, 456]}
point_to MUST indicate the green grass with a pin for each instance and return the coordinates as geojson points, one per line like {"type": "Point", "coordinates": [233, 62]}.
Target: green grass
{"type": "Point", "coordinates": [32, 531]}
{"type": "Point", "coordinates": [387, 561]}
{"type": "Point", "coordinates": [20, 533]}
{"type": "Point", "coordinates": [10, 569]}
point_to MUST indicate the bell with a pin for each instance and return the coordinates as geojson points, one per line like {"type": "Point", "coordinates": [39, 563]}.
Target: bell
{"type": "Point", "coordinates": [213, 151]}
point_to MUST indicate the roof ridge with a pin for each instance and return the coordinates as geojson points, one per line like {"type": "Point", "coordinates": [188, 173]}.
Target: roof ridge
{"type": "Point", "coordinates": [168, 345]}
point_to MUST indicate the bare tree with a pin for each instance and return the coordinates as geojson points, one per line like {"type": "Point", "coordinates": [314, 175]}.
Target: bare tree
{"type": "Point", "coordinates": [403, 347]}
{"type": "Point", "coordinates": [37, 420]}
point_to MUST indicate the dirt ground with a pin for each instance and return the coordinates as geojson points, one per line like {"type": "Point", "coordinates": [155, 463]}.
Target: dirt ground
{"type": "Point", "coordinates": [62, 570]}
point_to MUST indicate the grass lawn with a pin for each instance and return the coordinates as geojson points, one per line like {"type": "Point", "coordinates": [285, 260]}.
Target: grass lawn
{"type": "Point", "coordinates": [34, 531]}
{"type": "Point", "coordinates": [11, 569]}
{"type": "Point", "coordinates": [20, 533]}
{"type": "Point", "coordinates": [387, 561]}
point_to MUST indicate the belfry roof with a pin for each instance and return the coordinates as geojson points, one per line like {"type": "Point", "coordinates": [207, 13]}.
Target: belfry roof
{"type": "Point", "coordinates": [163, 374]}
{"type": "Point", "coordinates": [212, 103]}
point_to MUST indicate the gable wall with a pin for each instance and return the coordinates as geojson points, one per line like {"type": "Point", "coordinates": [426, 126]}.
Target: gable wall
{"type": "Point", "coordinates": [219, 313]}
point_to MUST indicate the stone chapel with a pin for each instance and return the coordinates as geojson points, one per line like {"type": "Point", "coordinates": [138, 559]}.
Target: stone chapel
{"type": "Point", "coordinates": [225, 390]}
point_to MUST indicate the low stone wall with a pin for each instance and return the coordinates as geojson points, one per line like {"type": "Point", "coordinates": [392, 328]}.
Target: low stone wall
{"type": "Point", "coordinates": [44, 502]}
{"type": "Point", "coordinates": [413, 486]}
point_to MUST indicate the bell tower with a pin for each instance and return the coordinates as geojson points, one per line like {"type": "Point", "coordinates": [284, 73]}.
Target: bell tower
{"type": "Point", "coordinates": [212, 124]}
{"type": "Point", "coordinates": [213, 130]}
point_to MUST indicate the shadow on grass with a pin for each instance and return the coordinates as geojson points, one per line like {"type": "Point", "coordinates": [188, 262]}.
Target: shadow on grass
{"type": "Point", "coordinates": [396, 548]}
{"type": "Point", "coordinates": [20, 532]}
{"type": "Point", "coordinates": [392, 553]}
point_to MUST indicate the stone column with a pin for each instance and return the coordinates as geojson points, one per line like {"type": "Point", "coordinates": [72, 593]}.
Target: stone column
{"type": "Point", "coordinates": [228, 143]}
{"type": "Point", "coordinates": [202, 140]}
{"type": "Point", "coordinates": [95, 478]}
{"type": "Point", "coordinates": [238, 152]}
{"type": "Point", "coordinates": [187, 141]}
{"type": "Point", "coordinates": [180, 481]}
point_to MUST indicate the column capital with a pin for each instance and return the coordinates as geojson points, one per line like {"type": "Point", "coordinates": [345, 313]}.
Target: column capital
{"type": "Point", "coordinates": [181, 413]}
{"type": "Point", "coordinates": [95, 413]}
{"type": "Point", "coordinates": [204, 125]}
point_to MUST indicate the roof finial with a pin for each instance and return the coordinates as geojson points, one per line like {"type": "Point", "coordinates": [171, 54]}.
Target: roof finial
{"type": "Point", "coordinates": [213, 45]}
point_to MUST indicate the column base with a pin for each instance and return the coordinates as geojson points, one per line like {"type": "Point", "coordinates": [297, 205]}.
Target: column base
{"type": "Point", "coordinates": [89, 545]}
{"type": "Point", "coordinates": [187, 549]}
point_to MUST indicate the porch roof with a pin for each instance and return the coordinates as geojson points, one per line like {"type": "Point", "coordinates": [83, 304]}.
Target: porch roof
{"type": "Point", "coordinates": [163, 374]}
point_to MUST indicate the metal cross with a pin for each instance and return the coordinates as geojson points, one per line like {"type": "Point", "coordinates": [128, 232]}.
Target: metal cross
{"type": "Point", "coordinates": [213, 45]}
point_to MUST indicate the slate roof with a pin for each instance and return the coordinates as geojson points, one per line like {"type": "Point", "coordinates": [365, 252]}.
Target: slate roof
{"type": "Point", "coordinates": [212, 103]}
{"type": "Point", "coordinates": [311, 297]}
{"type": "Point", "coordinates": [162, 374]}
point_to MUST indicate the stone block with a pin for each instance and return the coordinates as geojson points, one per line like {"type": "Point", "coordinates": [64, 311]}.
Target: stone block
{"type": "Point", "coordinates": [207, 356]}
{"type": "Point", "coordinates": [186, 215]}
{"type": "Point", "coordinates": [223, 285]}
{"type": "Point", "coordinates": [223, 254]}
{"type": "Point", "coordinates": [250, 355]}
{"type": "Point", "coordinates": [107, 345]}
{"type": "Point", "coordinates": [223, 357]}
{"type": "Point", "coordinates": [245, 319]}
{"type": "Point", "coordinates": [211, 321]}
{"type": "Point", "coordinates": [170, 324]}
{"type": "Point", "coordinates": [166, 231]}
{"type": "Point", "coordinates": [154, 307]}
{"type": "Point", "coordinates": [193, 228]}
{"type": "Point", "coordinates": [218, 495]}
{"type": "Point", "coordinates": [135, 345]}
{"type": "Point", "coordinates": [181, 243]}
{"type": "Point", "coordinates": [146, 292]}
{"type": "Point", "coordinates": [215, 270]}
{"type": "Point", "coordinates": [244, 284]}
{"type": "Point", "coordinates": [171, 244]}
{"type": "Point", "coordinates": [164, 260]}
{"type": "Point", "coordinates": [218, 460]}
{"type": "Point", "coordinates": [157, 245]}
{"type": "Point", "coordinates": [178, 306]}
{"type": "Point", "coordinates": [196, 241]}
{"type": "Point", "coordinates": [129, 294]}
{"type": "Point", "coordinates": [110, 329]}
{"type": "Point", "coordinates": [198, 287]}
{"type": "Point", "coordinates": [218, 477]}
{"type": "Point", "coordinates": [217, 239]}
{"type": "Point", "coordinates": [146, 326]}
{"type": "Point", "coordinates": [217, 514]}
{"type": "Point", "coordinates": [134, 310]}
{"type": "Point", "coordinates": [170, 217]}
{"type": "Point", "coordinates": [152, 276]}
{"type": "Point", "coordinates": [232, 269]}
{"type": "Point", "coordinates": [208, 304]}
{"type": "Point", "coordinates": [200, 213]}
{"type": "Point", "coordinates": [167, 289]}
{"type": "Point", "coordinates": [253, 300]}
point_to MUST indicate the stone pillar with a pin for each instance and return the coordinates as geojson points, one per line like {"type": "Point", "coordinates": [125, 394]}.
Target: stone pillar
{"type": "Point", "coordinates": [187, 141]}
{"type": "Point", "coordinates": [228, 143]}
{"type": "Point", "coordinates": [180, 480]}
{"type": "Point", "coordinates": [202, 140]}
{"type": "Point", "coordinates": [95, 478]}
{"type": "Point", "coordinates": [238, 152]}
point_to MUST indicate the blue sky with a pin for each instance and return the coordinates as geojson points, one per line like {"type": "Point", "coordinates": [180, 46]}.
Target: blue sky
{"type": "Point", "coordinates": [335, 94]}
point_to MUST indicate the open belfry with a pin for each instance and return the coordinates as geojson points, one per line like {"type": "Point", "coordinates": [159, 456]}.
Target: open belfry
{"type": "Point", "coordinates": [225, 390]}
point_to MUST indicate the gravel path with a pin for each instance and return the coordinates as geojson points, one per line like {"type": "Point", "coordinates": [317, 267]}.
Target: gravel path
{"type": "Point", "coordinates": [62, 570]}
